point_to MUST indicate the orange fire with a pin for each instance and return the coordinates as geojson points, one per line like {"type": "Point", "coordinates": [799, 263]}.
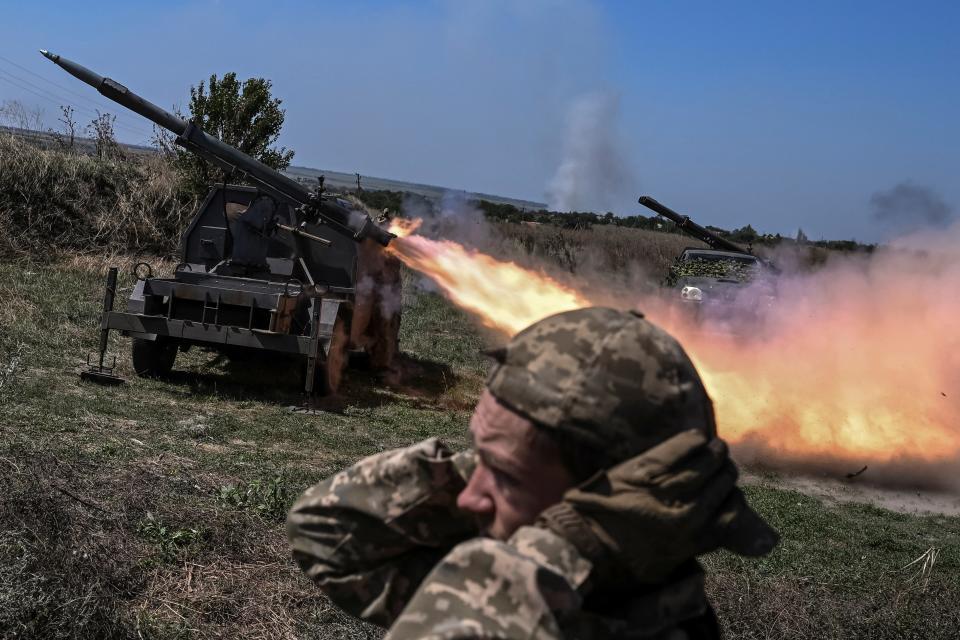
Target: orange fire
{"type": "Point", "coordinates": [503, 295]}
{"type": "Point", "coordinates": [403, 228]}
{"type": "Point", "coordinates": [858, 363]}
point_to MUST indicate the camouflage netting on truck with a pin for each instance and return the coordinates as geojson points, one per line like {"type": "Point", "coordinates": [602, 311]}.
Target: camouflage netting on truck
{"type": "Point", "coordinates": [730, 269]}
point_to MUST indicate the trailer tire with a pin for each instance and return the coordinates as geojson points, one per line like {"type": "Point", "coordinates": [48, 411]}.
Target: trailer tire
{"type": "Point", "coordinates": [153, 358]}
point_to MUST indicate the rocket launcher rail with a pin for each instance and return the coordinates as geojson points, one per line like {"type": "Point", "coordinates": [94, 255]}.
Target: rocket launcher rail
{"type": "Point", "coordinates": [692, 228]}
{"type": "Point", "coordinates": [194, 139]}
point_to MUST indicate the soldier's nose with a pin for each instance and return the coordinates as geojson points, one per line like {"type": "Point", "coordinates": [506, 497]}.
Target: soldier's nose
{"type": "Point", "coordinates": [473, 499]}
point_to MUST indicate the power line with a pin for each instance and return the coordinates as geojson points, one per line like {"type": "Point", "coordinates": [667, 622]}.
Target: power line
{"type": "Point", "coordinates": [128, 124]}
{"type": "Point", "coordinates": [53, 97]}
{"type": "Point", "coordinates": [48, 81]}
{"type": "Point", "coordinates": [101, 105]}
{"type": "Point", "coordinates": [58, 100]}
{"type": "Point", "coordinates": [19, 86]}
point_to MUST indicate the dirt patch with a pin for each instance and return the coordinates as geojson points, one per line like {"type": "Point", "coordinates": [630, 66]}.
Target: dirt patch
{"type": "Point", "coordinates": [857, 490]}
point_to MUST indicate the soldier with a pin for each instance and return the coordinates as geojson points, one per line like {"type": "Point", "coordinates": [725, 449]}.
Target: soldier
{"type": "Point", "coordinates": [375, 325]}
{"type": "Point", "coordinates": [595, 479]}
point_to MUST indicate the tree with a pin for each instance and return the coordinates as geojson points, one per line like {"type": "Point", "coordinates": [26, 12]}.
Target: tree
{"type": "Point", "coordinates": [17, 114]}
{"type": "Point", "coordinates": [745, 234]}
{"type": "Point", "coordinates": [101, 130]}
{"type": "Point", "coordinates": [244, 115]}
{"type": "Point", "coordinates": [69, 122]}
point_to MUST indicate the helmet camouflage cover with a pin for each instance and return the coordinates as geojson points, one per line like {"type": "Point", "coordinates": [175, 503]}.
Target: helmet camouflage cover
{"type": "Point", "coordinates": [604, 379]}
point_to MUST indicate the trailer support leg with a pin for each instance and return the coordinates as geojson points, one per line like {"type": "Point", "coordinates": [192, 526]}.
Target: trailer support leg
{"type": "Point", "coordinates": [101, 372]}
{"type": "Point", "coordinates": [314, 347]}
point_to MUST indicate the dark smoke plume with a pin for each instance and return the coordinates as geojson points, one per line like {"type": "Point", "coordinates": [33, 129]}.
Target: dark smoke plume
{"type": "Point", "coordinates": [909, 207]}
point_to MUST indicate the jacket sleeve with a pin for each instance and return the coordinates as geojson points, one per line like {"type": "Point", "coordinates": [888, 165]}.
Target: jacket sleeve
{"type": "Point", "coordinates": [369, 534]}
{"type": "Point", "coordinates": [525, 588]}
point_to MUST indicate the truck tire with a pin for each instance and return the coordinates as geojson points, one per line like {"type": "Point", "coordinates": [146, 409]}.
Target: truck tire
{"type": "Point", "coordinates": [153, 358]}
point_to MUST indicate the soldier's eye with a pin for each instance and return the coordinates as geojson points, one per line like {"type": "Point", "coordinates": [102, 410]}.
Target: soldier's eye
{"type": "Point", "coordinates": [504, 479]}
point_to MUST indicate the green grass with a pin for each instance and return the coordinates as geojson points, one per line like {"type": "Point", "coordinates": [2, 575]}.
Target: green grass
{"type": "Point", "coordinates": [839, 572]}
{"type": "Point", "coordinates": [155, 509]}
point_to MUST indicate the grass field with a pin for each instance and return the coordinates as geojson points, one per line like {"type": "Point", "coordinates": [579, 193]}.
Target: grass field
{"type": "Point", "coordinates": [155, 509]}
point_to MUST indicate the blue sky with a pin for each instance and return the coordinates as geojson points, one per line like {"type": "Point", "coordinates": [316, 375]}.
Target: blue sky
{"type": "Point", "coordinates": [779, 114]}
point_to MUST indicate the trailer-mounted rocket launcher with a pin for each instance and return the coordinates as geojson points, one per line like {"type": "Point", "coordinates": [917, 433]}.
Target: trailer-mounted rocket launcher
{"type": "Point", "coordinates": [311, 204]}
{"type": "Point", "coordinates": [270, 267]}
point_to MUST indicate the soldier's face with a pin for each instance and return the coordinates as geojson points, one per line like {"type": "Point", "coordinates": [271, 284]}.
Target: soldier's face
{"type": "Point", "coordinates": [519, 471]}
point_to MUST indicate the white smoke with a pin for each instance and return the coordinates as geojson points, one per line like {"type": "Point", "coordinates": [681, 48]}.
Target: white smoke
{"type": "Point", "coordinates": [593, 171]}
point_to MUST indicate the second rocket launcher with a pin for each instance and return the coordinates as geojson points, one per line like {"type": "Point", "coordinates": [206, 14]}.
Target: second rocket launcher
{"type": "Point", "coordinates": [684, 223]}
{"type": "Point", "coordinates": [194, 139]}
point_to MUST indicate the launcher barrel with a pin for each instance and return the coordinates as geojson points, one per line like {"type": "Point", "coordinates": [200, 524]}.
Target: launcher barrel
{"type": "Point", "coordinates": [194, 139]}
{"type": "Point", "coordinates": [692, 228]}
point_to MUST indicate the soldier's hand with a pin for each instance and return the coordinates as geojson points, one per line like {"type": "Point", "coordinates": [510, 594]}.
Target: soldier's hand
{"type": "Point", "coordinates": [644, 517]}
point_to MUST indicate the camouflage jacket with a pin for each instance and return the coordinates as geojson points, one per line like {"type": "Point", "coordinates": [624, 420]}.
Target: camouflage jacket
{"type": "Point", "coordinates": [385, 541]}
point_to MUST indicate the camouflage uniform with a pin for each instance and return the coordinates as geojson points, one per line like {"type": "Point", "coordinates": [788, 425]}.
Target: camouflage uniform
{"type": "Point", "coordinates": [370, 534]}
{"type": "Point", "coordinates": [386, 542]}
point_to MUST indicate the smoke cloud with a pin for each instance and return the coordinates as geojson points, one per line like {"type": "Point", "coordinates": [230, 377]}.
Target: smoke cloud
{"type": "Point", "coordinates": [854, 364]}
{"type": "Point", "coordinates": [908, 207]}
{"type": "Point", "coordinates": [593, 171]}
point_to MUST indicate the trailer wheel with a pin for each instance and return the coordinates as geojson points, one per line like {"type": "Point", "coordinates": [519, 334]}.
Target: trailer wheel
{"type": "Point", "coordinates": [153, 358]}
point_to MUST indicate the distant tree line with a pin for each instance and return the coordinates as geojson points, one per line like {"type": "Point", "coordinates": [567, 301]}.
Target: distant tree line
{"type": "Point", "coordinates": [503, 212]}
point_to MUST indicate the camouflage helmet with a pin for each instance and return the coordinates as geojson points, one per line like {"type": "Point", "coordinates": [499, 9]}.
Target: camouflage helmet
{"type": "Point", "coordinates": [603, 379]}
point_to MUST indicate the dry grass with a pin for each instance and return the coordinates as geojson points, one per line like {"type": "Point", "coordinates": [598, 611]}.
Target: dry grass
{"type": "Point", "coordinates": [608, 250]}
{"type": "Point", "coordinates": [622, 256]}
{"type": "Point", "coordinates": [54, 201]}
{"type": "Point", "coordinates": [137, 548]}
